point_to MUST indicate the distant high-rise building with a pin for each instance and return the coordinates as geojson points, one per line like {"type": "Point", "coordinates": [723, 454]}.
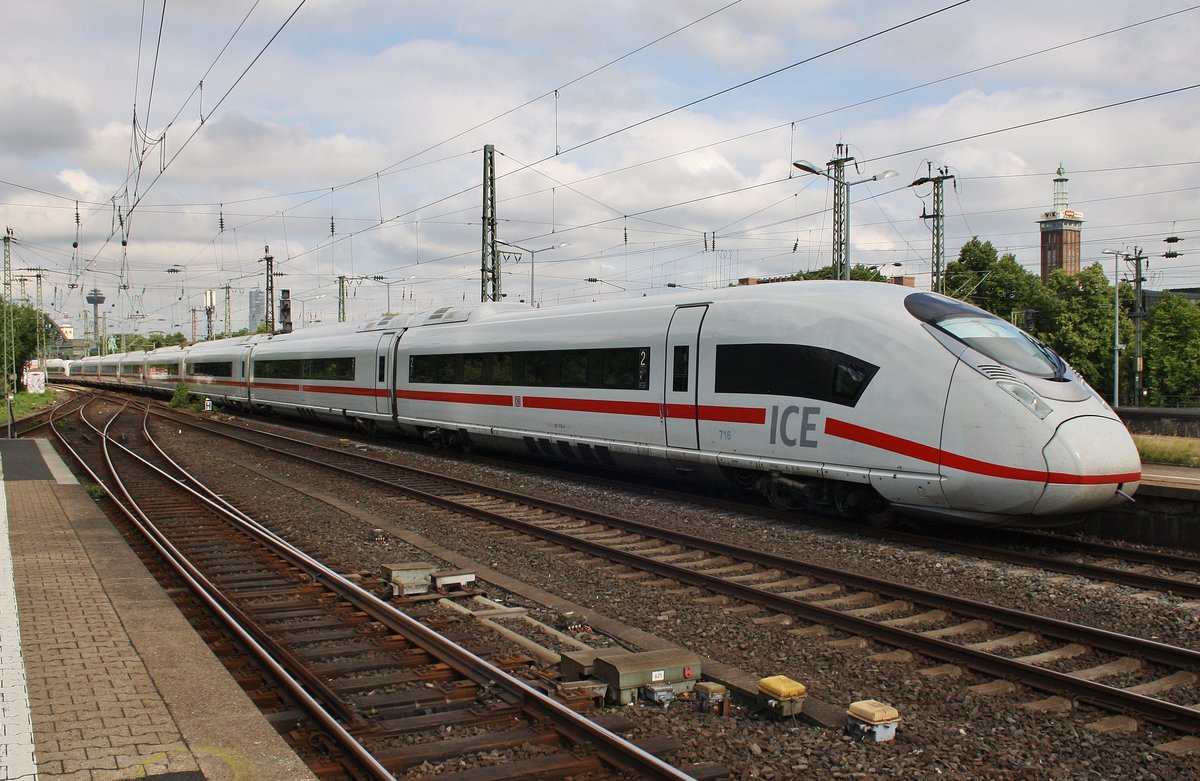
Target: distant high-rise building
{"type": "Point", "coordinates": [1061, 232]}
{"type": "Point", "coordinates": [258, 309]}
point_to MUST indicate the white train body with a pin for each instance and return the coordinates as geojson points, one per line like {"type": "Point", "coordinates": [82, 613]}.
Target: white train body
{"type": "Point", "coordinates": [865, 396]}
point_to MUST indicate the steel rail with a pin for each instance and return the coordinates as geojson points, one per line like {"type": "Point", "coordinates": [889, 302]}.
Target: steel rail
{"type": "Point", "coordinates": [1111, 698]}
{"type": "Point", "coordinates": [614, 749]}
{"type": "Point", "coordinates": [1175, 586]}
{"type": "Point", "coordinates": [209, 594]}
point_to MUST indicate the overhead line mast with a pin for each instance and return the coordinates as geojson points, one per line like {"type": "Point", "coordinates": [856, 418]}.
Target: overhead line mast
{"type": "Point", "coordinates": [489, 289]}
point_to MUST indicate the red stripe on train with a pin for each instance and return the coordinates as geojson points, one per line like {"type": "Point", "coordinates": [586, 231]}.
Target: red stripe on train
{"type": "Point", "coordinates": [933, 455]}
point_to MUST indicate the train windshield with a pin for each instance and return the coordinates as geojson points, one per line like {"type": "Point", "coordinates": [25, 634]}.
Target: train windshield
{"type": "Point", "coordinates": [982, 331]}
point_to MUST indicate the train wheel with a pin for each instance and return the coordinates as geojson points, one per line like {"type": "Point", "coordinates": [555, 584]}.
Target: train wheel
{"type": "Point", "coordinates": [743, 478]}
{"type": "Point", "coordinates": [783, 498]}
{"type": "Point", "coordinates": [883, 517]}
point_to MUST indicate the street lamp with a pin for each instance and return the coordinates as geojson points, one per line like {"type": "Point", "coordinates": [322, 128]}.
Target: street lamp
{"type": "Point", "coordinates": [532, 253]}
{"type": "Point", "coordinates": [388, 284]}
{"type": "Point", "coordinates": [841, 203]}
{"type": "Point", "coordinates": [1117, 255]}
{"type": "Point", "coordinates": [303, 301]}
{"type": "Point", "coordinates": [878, 269]}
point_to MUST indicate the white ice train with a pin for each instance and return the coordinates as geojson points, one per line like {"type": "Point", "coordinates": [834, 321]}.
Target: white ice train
{"type": "Point", "coordinates": [865, 397]}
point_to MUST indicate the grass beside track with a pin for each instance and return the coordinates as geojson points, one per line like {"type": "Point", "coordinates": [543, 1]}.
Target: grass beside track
{"type": "Point", "coordinates": [25, 404]}
{"type": "Point", "coordinates": [1154, 449]}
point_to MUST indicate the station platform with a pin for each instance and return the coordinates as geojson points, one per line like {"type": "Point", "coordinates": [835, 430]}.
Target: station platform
{"type": "Point", "coordinates": [101, 677]}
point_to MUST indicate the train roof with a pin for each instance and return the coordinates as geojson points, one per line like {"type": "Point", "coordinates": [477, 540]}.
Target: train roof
{"type": "Point", "coordinates": [824, 294]}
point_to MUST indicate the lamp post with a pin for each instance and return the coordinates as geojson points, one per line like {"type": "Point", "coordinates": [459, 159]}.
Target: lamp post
{"type": "Point", "coordinates": [532, 253]}
{"type": "Point", "coordinates": [878, 269]}
{"type": "Point", "coordinates": [303, 301]}
{"type": "Point", "coordinates": [388, 284]}
{"type": "Point", "coordinates": [841, 203]}
{"type": "Point", "coordinates": [1117, 255]}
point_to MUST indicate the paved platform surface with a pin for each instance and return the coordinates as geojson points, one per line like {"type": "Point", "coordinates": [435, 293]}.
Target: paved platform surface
{"type": "Point", "coordinates": [101, 678]}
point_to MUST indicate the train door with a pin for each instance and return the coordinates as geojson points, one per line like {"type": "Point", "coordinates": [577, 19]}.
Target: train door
{"type": "Point", "coordinates": [384, 370]}
{"type": "Point", "coordinates": [243, 373]}
{"type": "Point", "coordinates": [680, 410]}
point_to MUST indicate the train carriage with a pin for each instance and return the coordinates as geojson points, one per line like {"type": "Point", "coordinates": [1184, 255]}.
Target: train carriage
{"type": "Point", "coordinates": [219, 370]}
{"type": "Point", "coordinates": [865, 397]}
{"type": "Point", "coordinates": [319, 373]}
{"type": "Point", "coordinates": [577, 384]}
{"type": "Point", "coordinates": [162, 368]}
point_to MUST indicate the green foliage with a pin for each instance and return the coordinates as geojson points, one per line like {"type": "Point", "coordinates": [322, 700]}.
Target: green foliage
{"type": "Point", "coordinates": [1079, 323]}
{"type": "Point", "coordinates": [95, 491]}
{"type": "Point", "coordinates": [26, 322]}
{"type": "Point", "coordinates": [1171, 346]}
{"type": "Point", "coordinates": [182, 397]}
{"type": "Point", "coordinates": [1168, 450]}
{"type": "Point", "coordinates": [27, 403]}
{"type": "Point", "coordinates": [153, 340]}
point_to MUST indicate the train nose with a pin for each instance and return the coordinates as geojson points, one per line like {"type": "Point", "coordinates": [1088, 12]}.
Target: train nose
{"type": "Point", "coordinates": [1092, 463]}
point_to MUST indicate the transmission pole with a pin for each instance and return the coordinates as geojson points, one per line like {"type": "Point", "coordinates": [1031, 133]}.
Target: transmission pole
{"type": "Point", "coordinates": [938, 283]}
{"type": "Point", "coordinates": [269, 259]}
{"type": "Point", "coordinates": [1138, 315]}
{"type": "Point", "coordinates": [41, 322]}
{"type": "Point", "coordinates": [342, 298]}
{"type": "Point", "coordinates": [226, 330]}
{"type": "Point", "coordinates": [489, 289]}
{"type": "Point", "coordinates": [841, 213]}
{"type": "Point", "coordinates": [9, 328]}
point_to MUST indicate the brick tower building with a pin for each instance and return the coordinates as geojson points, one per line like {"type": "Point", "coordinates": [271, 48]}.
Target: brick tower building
{"type": "Point", "coordinates": [1061, 228]}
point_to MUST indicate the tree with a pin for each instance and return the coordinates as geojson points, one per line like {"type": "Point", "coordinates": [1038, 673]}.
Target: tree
{"type": "Point", "coordinates": [26, 322]}
{"type": "Point", "coordinates": [998, 284]}
{"type": "Point", "coordinates": [1078, 323]}
{"type": "Point", "coordinates": [1172, 352]}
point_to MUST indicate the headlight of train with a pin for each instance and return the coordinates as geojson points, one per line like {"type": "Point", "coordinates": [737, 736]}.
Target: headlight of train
{"type": "Point", "coordinates": [1026, 395]}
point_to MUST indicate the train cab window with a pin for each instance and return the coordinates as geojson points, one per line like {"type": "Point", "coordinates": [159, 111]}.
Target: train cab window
{"type": "Point", "coordinates": [679, 375]}
{"type": "Point", "coordinates": [992, 336]}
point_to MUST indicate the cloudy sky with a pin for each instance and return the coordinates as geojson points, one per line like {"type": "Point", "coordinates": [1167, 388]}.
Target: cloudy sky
{"type": "Point", "coordinates": [654, 140]}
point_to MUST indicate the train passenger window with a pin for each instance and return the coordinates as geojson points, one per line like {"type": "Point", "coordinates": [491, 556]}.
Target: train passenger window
{"type": "Point", "coordinates": [330, 369]}
{"type": "Point", "coordinates": [537, 368]}
{"type": "Point", "coordinates": [211, 368]}
{"type": "Point", "coordinates": [421, 368]}
{"type": "Point", "coordinates": [446, 369]}
{"type": "Point", "coordinates": [279, 369]}
{"type": "Point", "coordinates": [849, 380]}
{"type": "Point", "coordinates": [382, 368]}
{"type": "Point", "coordinates": [679, 375]}
{"type": "Point", "coordinates": [502, 369]}
{"type": "Point", "coordinates": [573, 368]}
{"type": "Point", "coordinates": [794, 370]}
{"type": "Point", "coordinates": [473, 369]}
{"type": "Point", "coordinates": [626, 368]}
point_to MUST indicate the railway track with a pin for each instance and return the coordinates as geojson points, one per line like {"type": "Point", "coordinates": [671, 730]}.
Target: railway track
{"type": "Point", "coordinates": [372, 682]}
{"type": "Point", "coordinates": [1064, 659]}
